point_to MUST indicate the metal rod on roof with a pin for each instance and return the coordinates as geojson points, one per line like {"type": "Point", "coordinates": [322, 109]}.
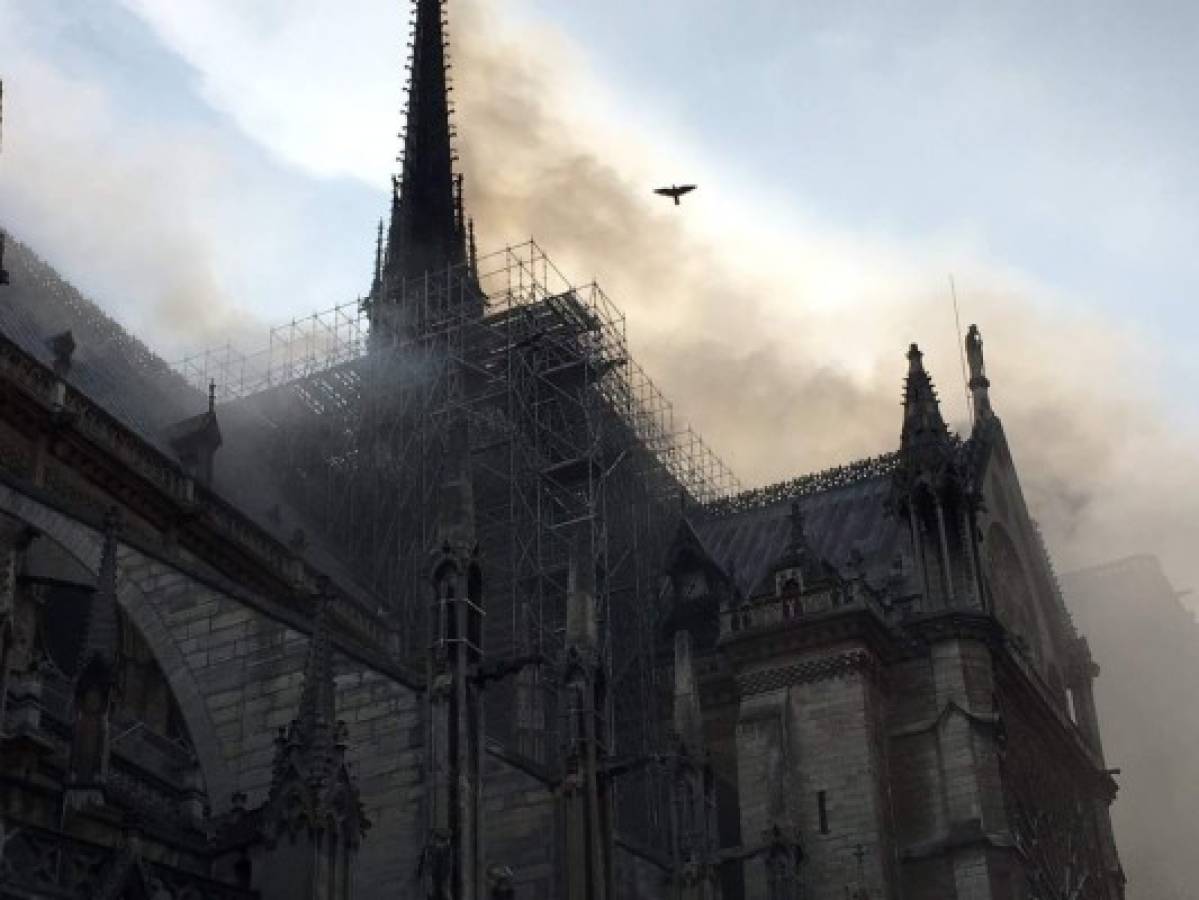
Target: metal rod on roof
{"type": "Point", "coordinates": [957, 321]}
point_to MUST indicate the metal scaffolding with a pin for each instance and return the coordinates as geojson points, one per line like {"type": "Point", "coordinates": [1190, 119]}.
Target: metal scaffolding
{"type": "Point", "coordinates": [566, 432]}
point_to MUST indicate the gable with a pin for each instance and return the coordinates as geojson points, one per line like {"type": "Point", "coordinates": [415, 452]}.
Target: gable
{"type": "Point", "coordinates": [1023, 585]}
{"type": "Point", "coordinates": [839, 522]}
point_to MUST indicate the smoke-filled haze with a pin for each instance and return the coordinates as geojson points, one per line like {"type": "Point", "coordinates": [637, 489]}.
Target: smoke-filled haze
{"type": "Point", "coordinates": [205, 168]}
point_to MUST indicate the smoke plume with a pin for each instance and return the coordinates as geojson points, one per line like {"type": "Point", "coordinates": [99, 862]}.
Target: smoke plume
{"type": "Point", "coordinates": [784, 343]}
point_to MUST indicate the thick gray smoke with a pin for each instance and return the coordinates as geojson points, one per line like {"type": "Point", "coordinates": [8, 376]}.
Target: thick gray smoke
{"type": "Point", "coordinates": [785, 344]}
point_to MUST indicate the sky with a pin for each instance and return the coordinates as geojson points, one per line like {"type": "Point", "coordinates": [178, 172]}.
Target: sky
{"type": "Point", "coordinates": [207, 168]}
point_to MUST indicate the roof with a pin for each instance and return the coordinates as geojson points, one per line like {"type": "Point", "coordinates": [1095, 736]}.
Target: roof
{"type": "Point", "coordinates": [109, 365]}
{"type": "Point", "coordinates": [127, 379]}
{"type": "Point", "coordinates": [847, 515]}
{"type": "Point", "coordinates": [199, 430]}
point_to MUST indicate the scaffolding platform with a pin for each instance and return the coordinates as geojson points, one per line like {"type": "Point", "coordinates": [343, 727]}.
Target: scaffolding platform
{"type": "Point", "coordinates": [566, 432]}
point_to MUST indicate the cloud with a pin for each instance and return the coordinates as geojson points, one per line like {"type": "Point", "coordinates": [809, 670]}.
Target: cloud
{"type": "Point", "coordinates": [74, 180]}
{"type": "Point", "coordinates": [168, 216]}
{"type": "Point", "coordinates": [311, 81]}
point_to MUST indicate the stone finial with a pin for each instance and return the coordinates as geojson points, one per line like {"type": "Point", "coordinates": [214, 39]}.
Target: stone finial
{"type": "Point", "coordinates": [924, 438]}
{"type": "Point", "coordinates": [62, 346]}
{"type": "Point", "coordinates": [979, 383]}
{"type": "Point", "coordinates": [377, 281]}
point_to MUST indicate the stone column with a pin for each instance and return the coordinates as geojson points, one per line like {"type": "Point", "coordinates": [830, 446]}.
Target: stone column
{"type": "Point", "coordinates": [455, 738]}
{"type": "Point", "coordinates": [584, 795]}
{"type": "Point", "coordinates": [97, 679]}
{"type": "Point", "coordinates": [453, 857]}
{"type": "Point", "coordinates": [694, 840]}
{"type": "Point", "coordinates": [969, 765]}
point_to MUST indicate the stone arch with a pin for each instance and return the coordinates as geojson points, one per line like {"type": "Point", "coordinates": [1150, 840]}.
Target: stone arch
{"type": "Point", "coordinates": [82, 543]}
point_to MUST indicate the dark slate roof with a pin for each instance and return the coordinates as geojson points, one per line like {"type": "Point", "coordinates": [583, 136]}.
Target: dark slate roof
{"type": "Point", "coordinates": [202, 429]}
{"type": "Point", "coordinates": [125, 377]}
{"type": "Point", "coordinates": [847, 515]}
{"type": "Point", "coordinates": [110, 366]}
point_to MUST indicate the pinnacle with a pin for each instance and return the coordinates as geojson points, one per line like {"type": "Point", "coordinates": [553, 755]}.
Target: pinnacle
{"type": "Point", "coordinates": [426, 233]}
{"type": "Point", "coordinates": [922, 420]}
{"type": "Point", "coordinates": [101, 640]}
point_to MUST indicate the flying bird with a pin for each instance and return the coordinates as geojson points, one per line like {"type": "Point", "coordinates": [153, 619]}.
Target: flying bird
{"type": "Point", "coordinates": [675, 191]}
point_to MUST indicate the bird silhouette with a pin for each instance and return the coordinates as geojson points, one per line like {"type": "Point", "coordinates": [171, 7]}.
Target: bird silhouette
{"type": "Point", "coordinates": [675, 191]}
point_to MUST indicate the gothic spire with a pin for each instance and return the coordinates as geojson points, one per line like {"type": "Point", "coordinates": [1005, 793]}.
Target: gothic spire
{"type": "Point", "coordinates": [377, 279]}
{"type": "Point", "coordinates": [313, 797]}
{"type": "Point", "coordinates": [923, 426]}
{"type": "Point", "coordinates": [426, 233]}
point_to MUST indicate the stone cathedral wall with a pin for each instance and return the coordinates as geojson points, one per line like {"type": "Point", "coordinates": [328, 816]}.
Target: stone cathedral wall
{"type": "Point", "coordinates": [236, 675]}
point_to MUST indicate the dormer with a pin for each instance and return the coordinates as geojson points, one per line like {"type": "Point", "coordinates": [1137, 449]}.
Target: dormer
{"type": "Point", "coordinates": [692, 589]}
{"type": "Point", "coordinates": [196, 440]}
{"type": "Point", "coordinates": [799, 569]}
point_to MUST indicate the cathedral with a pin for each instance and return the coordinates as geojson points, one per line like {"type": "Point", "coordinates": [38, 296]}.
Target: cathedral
{"type": "Point", "coordinates": [437, 602]}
